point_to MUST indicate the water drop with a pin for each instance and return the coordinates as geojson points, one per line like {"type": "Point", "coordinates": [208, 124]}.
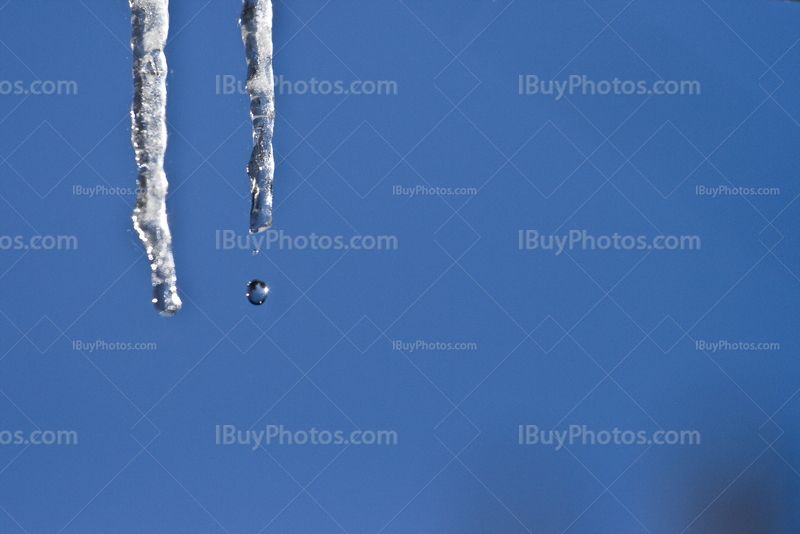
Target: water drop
{"type": "Point", "coordinates": [257, 292]}
{"type": "Point", "coordinates": [255, 252]}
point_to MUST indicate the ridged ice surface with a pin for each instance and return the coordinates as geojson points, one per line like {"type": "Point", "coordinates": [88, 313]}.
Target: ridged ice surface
{"type": "Point", "coordinates": [150, 24]}
{"type": "Point", "coordinates": [256, 25]}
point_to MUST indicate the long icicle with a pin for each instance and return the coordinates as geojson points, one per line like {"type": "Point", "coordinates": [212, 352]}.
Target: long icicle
{"type": "Point", "coordinates": [150, 24]}
{"type": "Point", "coordinates": [256, 22]}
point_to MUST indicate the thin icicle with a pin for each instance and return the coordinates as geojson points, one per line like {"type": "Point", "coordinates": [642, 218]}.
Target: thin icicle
{"type": "Point", "coordinates": [256, 25]}
{"type": "Point", "coordinates": [150, 23]}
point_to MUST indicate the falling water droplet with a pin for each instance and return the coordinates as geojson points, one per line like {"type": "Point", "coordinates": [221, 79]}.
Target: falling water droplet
{"type": "Point", "coordinates": [257, 292]}
{"type": "Point", "coordinates": [255, 252]}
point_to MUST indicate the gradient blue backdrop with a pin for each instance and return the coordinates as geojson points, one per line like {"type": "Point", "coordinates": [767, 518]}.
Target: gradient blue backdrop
{"type": "Point", "coordinates": [605, 339]}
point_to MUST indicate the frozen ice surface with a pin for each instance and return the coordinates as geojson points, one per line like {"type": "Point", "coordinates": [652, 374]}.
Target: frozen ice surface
{"type": "Point", "coordinates": [150, 24]}
{"type": "Point", "coordinates": [256, 22]}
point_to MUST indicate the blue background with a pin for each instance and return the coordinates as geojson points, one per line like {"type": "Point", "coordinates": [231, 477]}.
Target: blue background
{"type": "Point", "coordinates": [605, 339]}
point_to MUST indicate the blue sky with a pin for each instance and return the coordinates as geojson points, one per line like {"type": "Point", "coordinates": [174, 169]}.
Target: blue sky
{"type": "Point", "coordinates": [432, 178]}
